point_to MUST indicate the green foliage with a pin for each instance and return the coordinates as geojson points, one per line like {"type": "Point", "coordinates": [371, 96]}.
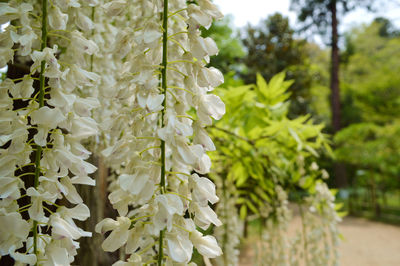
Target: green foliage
{"type": "Point", "coordinates": [371, 93]}
{"type": "Point", "coordinates": [259, 147]}
{"type": "Point", "coordinates": [386, 29]}
{"type": "Point", "coordinates": [372, 147]}
{"type": "Point", "coordinates": [370, 97]}
{"type": "Point", "coordinates": [371, 77]}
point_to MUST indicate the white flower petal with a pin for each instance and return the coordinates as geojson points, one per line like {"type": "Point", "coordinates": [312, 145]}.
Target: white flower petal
{"type": "Point", "coordinates": [204, 216]}
{"type": "Point", "coordinates": [57, 20]}
{"type": "Point", "coordinates": [21, 257]}
{"type": "Point", "coordinates": [180, 248]}
{"type": "Point", "coordinates": [212, 105]}
{"type": "Point", "coordinates": [57, 255]}
{"type": "Point", "coordinates": [206, 245]}
{"type": "Point", "coordinates": [106, 225]}
{"type": "Point", "coordinates": [115, 8]}
{"type": "Point", "coordinates": [133, 183]}
{"type": "Point", "coordinates": [61, 228]}
{"type": "Point", "coordinates": [118, 236]}
{"type": "Point", "coordinates": [47, 117]}
{"type": "Point", "coordinates": [8, 185]}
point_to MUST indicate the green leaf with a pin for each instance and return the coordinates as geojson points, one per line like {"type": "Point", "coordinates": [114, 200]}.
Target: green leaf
{"type": "Point", "coordinates": [243, 212]}
{"type": "Point", "coordinates": [262, 194]}
{"type": "Point", "coordinates": [254, 198]}
{"type": "Point", "coordinates": [338, 206]}
{"type": "Point", "coordinates": [296, 138]}
{"type": "Point", "coordinates": [240, 201]}
{"type": "Point", "coordinates": [238, 173]}
{"type": "Point", "coordinates": [308, 183]}
{"type": "Point", "coordinates": [251, 206]}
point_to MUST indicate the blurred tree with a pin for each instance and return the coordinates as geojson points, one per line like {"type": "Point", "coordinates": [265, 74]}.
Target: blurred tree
{"type": "Point", "coordinates": [373, 151]}
{"type": "Point", "coordinates": [272, 48]}
{"type": "Point", "coordinates": [386, 27]}
{"type": "Point", "coordinates": [371, 78]}
{"type": "Point", "coordinates": [321, 15]}
{"type": "Point", "coordinates": [371, 89]}
{"type": "Point", "coordinates": [230, 47]}
{"type": "Point", "coordinates": [319, 90]}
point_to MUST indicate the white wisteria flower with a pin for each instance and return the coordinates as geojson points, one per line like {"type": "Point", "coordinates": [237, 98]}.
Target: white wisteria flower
{"type": "Point", "coordinates": [119, 234]}
{"type": "Point", "coordinates": [59, 118]}
{"type": "Point", "coordinates": [153, 144]}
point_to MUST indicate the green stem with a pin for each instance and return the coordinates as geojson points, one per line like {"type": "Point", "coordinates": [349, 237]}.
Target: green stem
{"type": "Point", "coordinates": [164, 104]}
{"type": "Point", "coordinates": [164, 88]}
{"type": "Point", "coordinates": [251, 142]}
{"type": "Point", "coordinates": [160, 248]}
{"type": "Point", "coordinates": [40, 100]}
{"type": "Point", "coordinates": [225, 237]}
{"type": "Point", "coordinates": [91, 56]}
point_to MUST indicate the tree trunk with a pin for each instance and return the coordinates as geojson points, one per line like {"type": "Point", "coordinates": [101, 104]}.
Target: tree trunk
{"type": "Point", "coordinates": [375, 204]}
{"type": "Point", "coordinates": [334, 82]}
{"type": "Point", "coordinates": [350, 199]}
{"type": "Point", "coordinates": [90, 251]}
{"type": "Point", "coordinates": [339, 168]}
{"type": "Point", "coordinates": [245, 228]}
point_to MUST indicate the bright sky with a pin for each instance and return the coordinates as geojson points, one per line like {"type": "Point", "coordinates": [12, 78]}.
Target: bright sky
{"type": "Point", "coordinates": [251, 11]}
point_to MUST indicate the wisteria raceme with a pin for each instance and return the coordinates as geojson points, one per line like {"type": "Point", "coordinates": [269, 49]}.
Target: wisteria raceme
{"type": "Point", "coordinates": [43, 122]}
{"type": "Point", "coordinates": [275, 240]}
{"type": "Point", "coordinates": [315, 243]}
{"type": "Point", "coordinates": [230, 233]}
{"type": "Point", "coordinates": [321, 221]}
{"type": "Point", "coordinates": [154, 131]}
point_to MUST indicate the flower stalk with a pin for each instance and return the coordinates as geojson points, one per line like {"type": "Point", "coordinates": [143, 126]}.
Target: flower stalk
{"type": "Point", "coordinates": [164, 88]}
{"type": "Point", "coordinates": [41, 104]}
{"type": "Point", "coordinates": [164, 104]}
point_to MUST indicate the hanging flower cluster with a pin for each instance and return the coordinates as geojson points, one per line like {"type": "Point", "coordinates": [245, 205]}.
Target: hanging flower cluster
{"type": "Point", "coordinates": [153, 129]}
{"type": "Point", "coordinates": [230, 233]}
{"type": "Point", "coordinates": [315, 243]}
{"type": "Point", "coordinates": [155, 104]}
{"type": "Point", "coordinates": [275, 239]}
{"type": "Point", "coordinates": [42, 157]}
{"type": "Point", "coordinates": [320, 222]}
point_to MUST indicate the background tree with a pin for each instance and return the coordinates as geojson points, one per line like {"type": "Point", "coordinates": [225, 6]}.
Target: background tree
{"type": "Point", "coordinates": [271, 48]}
{"type": "Point", "coordinates": [231, 50]}
{"type": "Point", "coordinates": [322, 15]}
{"type": "Point", "coordinates": [371, 76]}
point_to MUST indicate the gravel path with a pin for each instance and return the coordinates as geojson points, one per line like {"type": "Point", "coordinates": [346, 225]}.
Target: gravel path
{"type": "Point", "coordinates": [366, 243]}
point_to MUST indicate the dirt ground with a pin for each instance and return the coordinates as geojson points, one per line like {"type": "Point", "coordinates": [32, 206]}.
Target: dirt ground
{"type": "Point", "coordinates": [366, 243]}
{"type": "Point", "coordinates": [369, 243]}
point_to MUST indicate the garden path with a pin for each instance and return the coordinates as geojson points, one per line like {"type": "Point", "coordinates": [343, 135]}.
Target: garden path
{"type": "Point", "coordinates": [365, 243]}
